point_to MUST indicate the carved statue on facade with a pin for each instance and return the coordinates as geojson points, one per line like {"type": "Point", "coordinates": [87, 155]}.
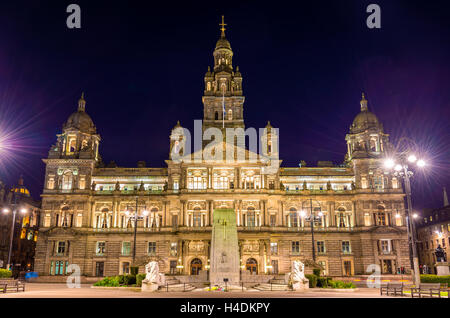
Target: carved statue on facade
{"type": "Point", "coordinates": [166, 185]}
{"type": "Point", "coordinates": [117, 187]}
{"type": "Point", "coordinates": [141, 187]}
{"type": "Point", "coordinates": [353, 185]}
{"type": "Point", "coordinates": [305, 186]}
{"type": "Point", "coordinates": [328, 185]}
{"type": "Point", "coordinates": [93, 186]}
{"type": "Point", "coordinates": [281, 186]}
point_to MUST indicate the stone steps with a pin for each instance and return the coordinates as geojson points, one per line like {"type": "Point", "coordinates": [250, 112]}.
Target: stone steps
{"type": "Point", "coordinates": [273, 287]}
{"type": "Point", "coordinates": [278, 281]}
{"type": "Point", "coordinates": [177, 288]}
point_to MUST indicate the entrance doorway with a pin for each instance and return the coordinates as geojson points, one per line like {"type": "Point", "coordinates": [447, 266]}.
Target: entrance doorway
{"type": "Point", "coordinates": [252, 266]}
{"type": "Point", "coordinates": [347, 268]}
{"type": "Point", "coordinates": [386, 266]}
{"type": "Point", "coordinates": [99, 269]}
{"type": "Point", "coordinates": [196, 266]}
{"type": "Point", "coordinates": [173, 267]}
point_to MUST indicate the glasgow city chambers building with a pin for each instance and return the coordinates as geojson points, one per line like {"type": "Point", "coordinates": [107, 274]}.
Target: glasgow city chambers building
{"type": "Point", "coordinates": [107, 219]}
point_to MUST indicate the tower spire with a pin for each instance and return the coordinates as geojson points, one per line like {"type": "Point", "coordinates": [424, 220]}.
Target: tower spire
{"type": "Point", "coordinates": [363, 103]}
{"type": "Point", "coordinates": [222, 27]}
{"type": "Point", "coordinates": [81, 103]}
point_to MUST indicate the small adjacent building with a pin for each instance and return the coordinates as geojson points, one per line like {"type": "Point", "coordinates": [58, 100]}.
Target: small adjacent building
{"type": "Point", "coordinates": [25, 229]}
{"type": "Point", "coordinates": [433, 230]}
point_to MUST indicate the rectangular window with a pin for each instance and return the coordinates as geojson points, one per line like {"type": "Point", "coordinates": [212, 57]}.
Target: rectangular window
{"type": "Point", "coordinates": [378, 182]}
{"type": "Point", "coordinates": [385, 246]}
{"type": "Point", "coordinates": [274, 248]}
{"type": "Point", "coordinates": [125, 268]}
{"type": "Point", "coordinates": [60, 248]}
{"type": "Point", "coordinates": [99, 269]}
{"type": "Point", "coordinates": [443, 243]}
{"type": "Point", "coordinates": [366, 219]}
{"type": "Point", "coordinates": [173, 248]}
{"type": "Point", "coordinates": [296, 248]}
{"type": "Point", "coordinates": [321, 247]}
{"type": "Point", "coordinates": [79, 220]}
{"type": "Point", "coordinates": [273, 220]}
{"type": "Point", "coordinates": [151, 248]}
{"type": "Point", "coordinates": [101, 248]}
{"type": "Point", "coordinates": [126, 248]}
{"type": "Point", "coordinates": [346, 247]}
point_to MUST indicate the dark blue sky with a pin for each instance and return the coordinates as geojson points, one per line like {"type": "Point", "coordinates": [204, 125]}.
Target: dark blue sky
{"type": "Point", "coordinates": [304, 64]}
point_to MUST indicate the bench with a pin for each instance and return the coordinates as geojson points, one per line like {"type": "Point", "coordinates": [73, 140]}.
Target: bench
{"type": "Point", "coordinates": [392, 288]}
{"type": "Point", "coordinates": [427, 289]}
{"type": "Point", "coordinates": [15, 285]}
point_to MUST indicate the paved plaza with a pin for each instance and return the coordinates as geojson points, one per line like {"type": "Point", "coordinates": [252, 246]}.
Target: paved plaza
{"type": "Point", "coordinates": [41, 290]}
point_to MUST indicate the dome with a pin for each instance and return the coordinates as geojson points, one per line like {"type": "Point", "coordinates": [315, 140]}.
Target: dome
{"type": "Point", "coordinates": [365, 119]}
{"type": "Point", "coordinates": [80, 120]}
{"type": "Point", "coordinates": [223, 43]}
{"type": "Point", "coordinates": [20, 189]}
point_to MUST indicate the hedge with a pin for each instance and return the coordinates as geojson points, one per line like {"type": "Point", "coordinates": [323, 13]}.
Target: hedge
{"type": "Point", "coordinates": [312, 280]}
{"type": "Point", "coordinates": [5, 273]}
{"type": "Point", "coordinates": [435, 279]}
{"type": "Point", "coordinates": [139, 279]}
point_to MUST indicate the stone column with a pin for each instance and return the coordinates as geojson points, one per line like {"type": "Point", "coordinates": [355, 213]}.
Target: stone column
{"type": "Point", "coordinates": [261, 264]}
{"type": "Point", "coordinates": [183, 211]}
{"type": "Point", "coordinates": [332, 215]}
{"type": "Point", "coordinates": [165, 213]}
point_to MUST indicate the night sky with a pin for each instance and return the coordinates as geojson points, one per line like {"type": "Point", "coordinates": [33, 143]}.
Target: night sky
{"type": "Point", "coordinates": [304, 65]}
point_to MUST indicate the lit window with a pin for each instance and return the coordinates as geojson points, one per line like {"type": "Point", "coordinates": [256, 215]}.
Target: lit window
{"type": "Point", "coordinates": [51, 183]}
{"type": "Point", "coordinates": [151, 248]}
{"type": "Point", "coordinates": [101, 248]}
{"type": "Point", "coordinates": [273, 248]}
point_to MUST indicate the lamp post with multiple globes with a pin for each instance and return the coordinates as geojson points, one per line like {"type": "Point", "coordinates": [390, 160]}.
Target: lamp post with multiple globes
{"type": "Point", "coordinates": [135, 218]}
{"type": "Point", "coordinates": [13, 226]}
{"type": "Point", "coordinates": [312, 218]}
{"type": "Point", "coordinates": [401, 169]}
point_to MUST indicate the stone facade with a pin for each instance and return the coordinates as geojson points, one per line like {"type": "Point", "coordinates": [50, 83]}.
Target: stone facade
{"type": "Point", "coordinates": [88, 209]}
{"type": "Point", "coordinates": [433, 230]}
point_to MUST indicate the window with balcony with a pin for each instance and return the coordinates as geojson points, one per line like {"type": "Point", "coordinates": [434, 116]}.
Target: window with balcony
{"type": "Point", "coordinates": [61, 248]}
{"type": "Point", "coordinates": [385, 246]}
{"type": "Point", "coordinates": [293, 218]}
{"type": "Point", "coordinates": [251, 217]}
{"type": "Point", "coordinates": [67, 181]}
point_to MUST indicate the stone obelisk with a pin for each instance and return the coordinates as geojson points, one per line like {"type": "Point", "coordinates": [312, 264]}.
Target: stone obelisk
{"type": "Point", "coordinates": [224, 248]}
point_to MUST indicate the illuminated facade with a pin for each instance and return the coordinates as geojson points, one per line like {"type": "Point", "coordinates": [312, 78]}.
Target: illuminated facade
{"type": "Point", "coordinates": [26, 227]}
{"type": "Point", "coordinates": [88, 209]}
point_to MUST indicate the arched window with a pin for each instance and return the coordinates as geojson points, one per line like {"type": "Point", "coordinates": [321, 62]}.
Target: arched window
{"type": "Point", "coordinates": [252, 266]}
{"type": "Point", "coordinates": [373, 144]}
{"type": "Point", "coordinates": [342, 218]}
{"type": "Point", "coordinates": [380, 217]}
{"type": "Point", "coordinates": [216, 116]}
{"type": "Point", "coordinates": [72, 145]}
{"type": "Point", "coordinates": [293, 217]}
{"type": "Point", "coordinates": [394, 183]}
{"type": "Point", "coordinates": [67, 180]}
{"type": "Point", "coordinates": [196, 266]}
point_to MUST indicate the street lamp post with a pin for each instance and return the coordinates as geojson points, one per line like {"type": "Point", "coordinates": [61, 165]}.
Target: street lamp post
{"type": "Point", "coordinates": [402, 170]}
{"type": "Point", "coordinates": [313, 218]}
{"type": "Point", "coordinates": [136, 218]}
{"type": "Point", "coordinates": [13, 227]}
